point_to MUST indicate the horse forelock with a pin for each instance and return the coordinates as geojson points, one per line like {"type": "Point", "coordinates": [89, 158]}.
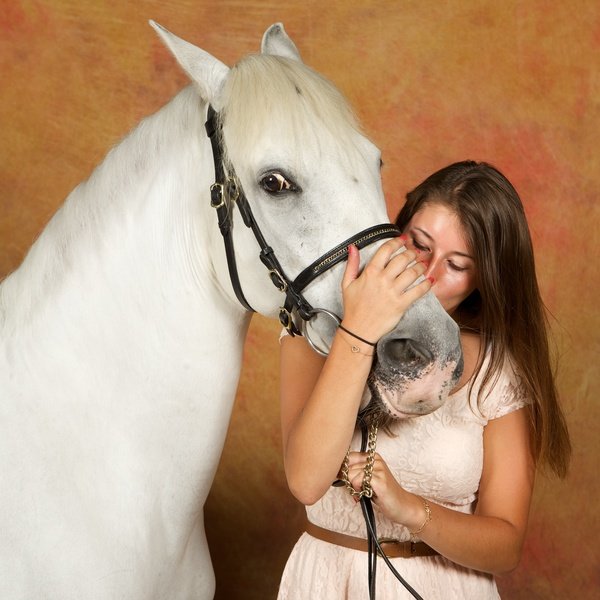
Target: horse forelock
{"type": "Point", "coordinates": [283, 95]}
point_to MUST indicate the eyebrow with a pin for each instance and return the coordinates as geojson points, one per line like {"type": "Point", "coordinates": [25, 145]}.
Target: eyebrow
{"type": "Point", "coordinates": [454, 252]}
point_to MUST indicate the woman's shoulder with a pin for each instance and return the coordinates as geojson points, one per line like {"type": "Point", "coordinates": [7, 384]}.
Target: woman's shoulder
{"type": "Point", "coordinates": [501, 391]}
{"type": "Point", "coordinates": [491, 394]}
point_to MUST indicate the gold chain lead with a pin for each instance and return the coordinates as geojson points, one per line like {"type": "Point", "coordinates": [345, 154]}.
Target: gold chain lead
{"type": "Point", "coordinates": [366, 489]}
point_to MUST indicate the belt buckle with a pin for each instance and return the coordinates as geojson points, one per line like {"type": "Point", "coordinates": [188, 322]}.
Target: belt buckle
{"type": "Point", "coordinates": [404, 549]}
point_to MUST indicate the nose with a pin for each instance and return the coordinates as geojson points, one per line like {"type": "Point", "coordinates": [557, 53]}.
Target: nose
{"type": "Point", "coordinates": [405, 353]}
{"type": "Point", "coordinates": [432, 266]}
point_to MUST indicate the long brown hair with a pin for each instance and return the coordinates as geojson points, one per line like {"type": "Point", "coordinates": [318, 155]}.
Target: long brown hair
{"type": "Point", "coordinates": [506, 308]}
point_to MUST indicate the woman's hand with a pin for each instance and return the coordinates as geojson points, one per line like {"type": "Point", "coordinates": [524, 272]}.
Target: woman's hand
{"type": "Point", "coordinates": [395, 502]}
{"type": "Point", "coordinates": [489, 540]}
{"type": "Point", "coordinates": [375, 300]}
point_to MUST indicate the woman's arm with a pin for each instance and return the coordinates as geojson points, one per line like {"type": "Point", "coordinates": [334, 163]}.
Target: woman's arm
{"type": "Point", "coordinates": [491, 540]}
{"type": "Point", "coordinates": [320, 398]}
{"type": "Point", "coordinates": [319, 403]}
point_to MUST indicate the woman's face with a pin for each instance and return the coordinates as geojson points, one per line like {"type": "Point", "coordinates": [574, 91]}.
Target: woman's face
{"type": "Point", "coordinates": [438, 235]}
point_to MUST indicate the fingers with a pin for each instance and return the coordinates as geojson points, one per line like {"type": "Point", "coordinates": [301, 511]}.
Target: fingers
{"type": "Point", "coordinates": [385, 252]}
{"type": "Point", "coordinates": [355, 457]}
{"type": "Point", "coordinates": [405, 277]}
{"type": "Point", "coordinates": [417, 291]}
{"type": "Point", "coordinates": [352, 266]}
{"type": "Point", "coordinates": [357, 462]}
{"type": "Point", "coordinates": [374, 299]}
{"type": "Point", "coordinates": [393, 259]}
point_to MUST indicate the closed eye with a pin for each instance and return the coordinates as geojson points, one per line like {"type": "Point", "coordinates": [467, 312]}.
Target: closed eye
{"type": "Point", "coordinates": [419, 246]}
{"type": "Point", "coordinates": [456, 267]}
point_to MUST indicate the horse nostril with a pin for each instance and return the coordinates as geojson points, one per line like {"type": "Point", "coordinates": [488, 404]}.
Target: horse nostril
{"type": "Point", "coordinates": [404, 350]}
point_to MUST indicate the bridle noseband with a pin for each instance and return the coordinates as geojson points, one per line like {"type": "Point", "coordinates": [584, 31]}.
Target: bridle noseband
{"type": "Point", "coordinates": [226, 192]}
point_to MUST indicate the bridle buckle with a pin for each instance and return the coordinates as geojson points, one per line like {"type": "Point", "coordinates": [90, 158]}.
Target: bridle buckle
{"type": "Point", "coordinates": [217, 196]}
{"type": "Point", "coordinates": [278, 281]}
{"type": "Point", "coordinates": [285, 318]}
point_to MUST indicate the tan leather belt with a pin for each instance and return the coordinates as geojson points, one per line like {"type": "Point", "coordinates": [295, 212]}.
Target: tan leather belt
{"type": "Point", "coordinates": [392, 548]}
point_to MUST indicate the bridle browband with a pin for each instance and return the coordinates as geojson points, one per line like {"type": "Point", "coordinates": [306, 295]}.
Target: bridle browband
{"type": "Point", "coordinates": [226, 192]}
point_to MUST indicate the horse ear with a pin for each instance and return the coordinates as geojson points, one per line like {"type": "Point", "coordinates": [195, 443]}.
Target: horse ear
{"type": "Point", "coordinates": [276, 41]}
{"type": "Point", "coordinates": [207, 72]}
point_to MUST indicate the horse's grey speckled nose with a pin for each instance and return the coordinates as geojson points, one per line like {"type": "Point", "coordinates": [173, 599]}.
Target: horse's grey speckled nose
{"type": "Point", "coordinates": [418, 363]}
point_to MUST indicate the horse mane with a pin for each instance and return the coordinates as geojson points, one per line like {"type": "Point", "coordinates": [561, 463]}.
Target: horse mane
{"type": "Point", "coordinates": [264, 90]}
{"type": "Point", "coordinates": [261, 91]}
{"type": "Point", "coordinates": [114, 188]}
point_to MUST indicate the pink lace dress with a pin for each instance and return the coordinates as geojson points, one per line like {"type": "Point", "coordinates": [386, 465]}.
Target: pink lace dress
{"type": "Point", "coordinates": [439, 457]}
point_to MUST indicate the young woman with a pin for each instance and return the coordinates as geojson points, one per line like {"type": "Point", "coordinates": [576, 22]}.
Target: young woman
{"type": "Point", "coordinates": [460, 479]}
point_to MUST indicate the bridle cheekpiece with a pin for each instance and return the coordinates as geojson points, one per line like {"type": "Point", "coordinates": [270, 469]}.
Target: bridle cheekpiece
{"type": "Point", "coordinates": [226, 192]}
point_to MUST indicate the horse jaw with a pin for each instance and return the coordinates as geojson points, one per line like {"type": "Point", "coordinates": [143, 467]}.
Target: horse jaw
{"type": "Point", "coordinates": [205, 71]}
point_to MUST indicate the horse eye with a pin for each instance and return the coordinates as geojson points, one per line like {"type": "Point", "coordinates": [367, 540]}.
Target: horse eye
{"type": "Point", "coordinates": [274, 183]}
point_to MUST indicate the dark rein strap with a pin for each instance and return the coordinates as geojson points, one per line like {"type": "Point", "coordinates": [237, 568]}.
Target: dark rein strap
{"type": "Point", "coordinates": [225, 192]}
{"type": "Point", "coordinates": [373, 546]}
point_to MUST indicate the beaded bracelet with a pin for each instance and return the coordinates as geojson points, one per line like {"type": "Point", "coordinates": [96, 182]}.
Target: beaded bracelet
{"type": "Point", "coordinates": [427, 519]}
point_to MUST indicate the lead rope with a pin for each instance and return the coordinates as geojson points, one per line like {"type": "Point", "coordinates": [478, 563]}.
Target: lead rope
{"type": "Point", "coordinates": [368, 444]}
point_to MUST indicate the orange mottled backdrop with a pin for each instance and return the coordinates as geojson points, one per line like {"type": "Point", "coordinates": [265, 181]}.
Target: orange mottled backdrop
{"type": "Point", "coordinates": [516, 83]}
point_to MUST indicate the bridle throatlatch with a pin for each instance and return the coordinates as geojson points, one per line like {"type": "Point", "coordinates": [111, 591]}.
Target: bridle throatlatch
{"type": "Point", "coordinates": [226, 192]}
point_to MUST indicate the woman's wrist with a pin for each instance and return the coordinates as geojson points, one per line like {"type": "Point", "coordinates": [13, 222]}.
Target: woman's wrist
{"type": "Point", "coordinates": [423, 521]}
{"type": "Point", "coordinates": [355, 343]}
{"type": "Point", "coordinates": [418, 517]}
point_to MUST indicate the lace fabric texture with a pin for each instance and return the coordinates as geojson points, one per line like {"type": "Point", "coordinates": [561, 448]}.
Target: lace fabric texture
{"type": "Point", "coordinates": [438, 456]}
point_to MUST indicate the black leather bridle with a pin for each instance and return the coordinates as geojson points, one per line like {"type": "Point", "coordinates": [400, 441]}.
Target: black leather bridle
{"type": "Point", "coordinates": [226, 192]}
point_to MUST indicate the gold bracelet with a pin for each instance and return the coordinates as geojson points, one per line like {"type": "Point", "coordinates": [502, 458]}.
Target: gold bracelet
{"type": "Point", "coordinates": [427, 519]}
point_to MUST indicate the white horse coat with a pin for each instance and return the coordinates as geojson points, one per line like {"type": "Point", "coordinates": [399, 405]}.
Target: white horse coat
{"type": "Point", "coordinates": [121, 338]}
{"type": "Point", "coordinates": [121, 345]}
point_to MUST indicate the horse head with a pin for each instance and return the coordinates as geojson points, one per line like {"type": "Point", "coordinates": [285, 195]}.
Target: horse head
{"type": "Point", "coordinates": [309, 181]}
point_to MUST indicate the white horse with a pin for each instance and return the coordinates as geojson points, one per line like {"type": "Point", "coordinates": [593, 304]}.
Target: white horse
{"type": "Point", "coordinates": [121, 335]}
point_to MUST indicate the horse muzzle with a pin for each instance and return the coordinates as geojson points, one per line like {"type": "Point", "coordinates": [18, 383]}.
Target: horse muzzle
{"type": "Point", "coordinates": [418, 364]}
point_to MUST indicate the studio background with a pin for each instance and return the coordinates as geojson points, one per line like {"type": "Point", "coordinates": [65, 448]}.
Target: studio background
{"type": "Point", "coordinates": [515, 83]}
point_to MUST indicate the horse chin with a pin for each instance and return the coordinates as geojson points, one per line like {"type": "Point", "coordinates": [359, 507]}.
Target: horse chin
{"type": "Point", "coordinates": [397, 396]}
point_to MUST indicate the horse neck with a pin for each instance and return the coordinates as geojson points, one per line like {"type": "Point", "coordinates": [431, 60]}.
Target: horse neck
{"type": "Point", "coordinates": [126, 263]}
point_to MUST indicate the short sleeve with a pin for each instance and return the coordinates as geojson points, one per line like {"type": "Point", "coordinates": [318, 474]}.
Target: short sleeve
{"type": "Point", "coordinates": [506, 394]}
